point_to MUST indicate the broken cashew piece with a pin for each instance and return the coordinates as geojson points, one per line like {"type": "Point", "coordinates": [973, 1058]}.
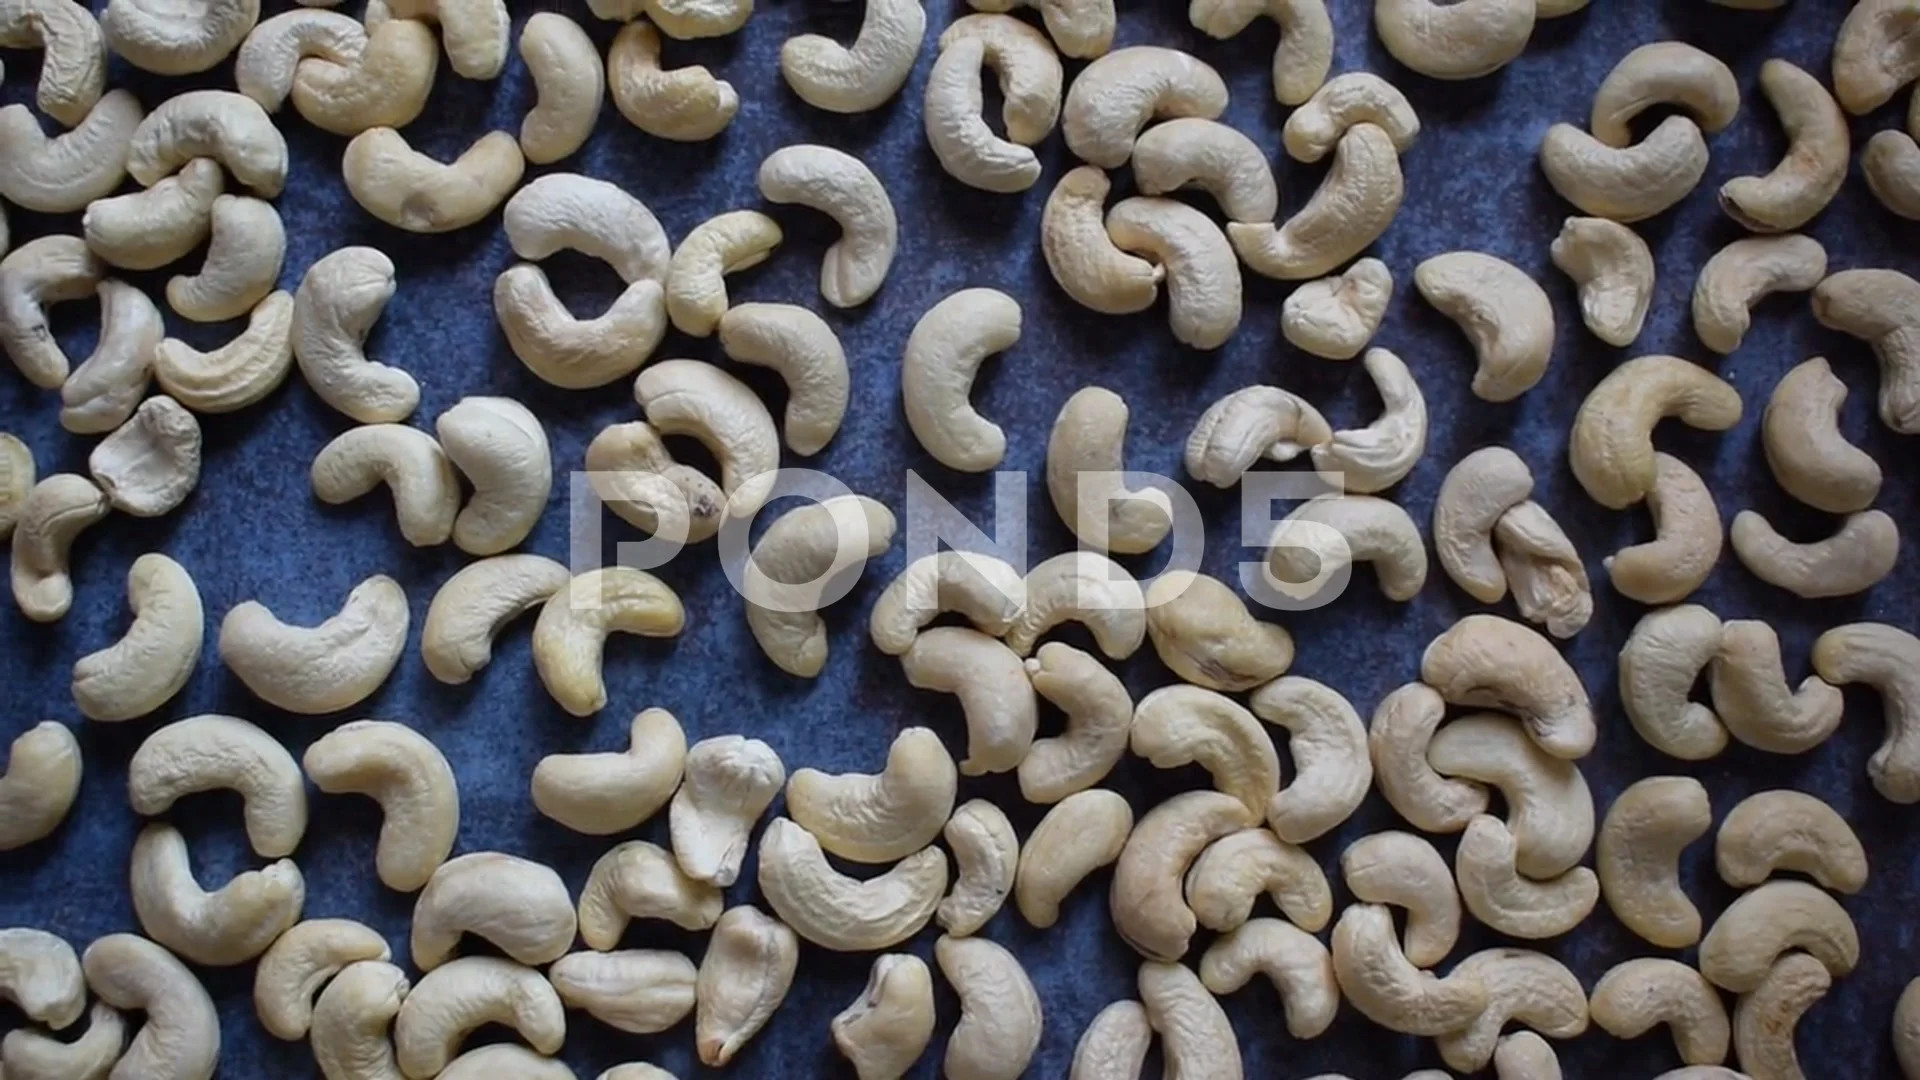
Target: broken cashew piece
{"type": "Point", "coordinates": [1247, 425]}
{"type": "Point", "coordinates": [1640, 843]}
{"type": "Point", "coordinates": [1549, 808]}
{"type": "Point", "coordinates": [567, 72]}
{"type": "Point", "coordinates": [338, 301]}
{"type": "Point", "coordinates": [152, 661]}
{"type": "Point", "coordinates": [1204, 632]}
{"type": "Point", "coordinates": [1625, 184]}
{"type": "Point", "coordinates": [863, 76]}
{"type": "Point", "coordinates": [181, 1037]}
{"type": "Point", "coordinates": [841, 913]}
{"type": "Point", "coordinates": [1634, 997]}
{"type": "Point", "coordinates": [1878, 306]}
{"type": "Point", "coordinates": [887, 1028]}
{"type": "Point", "coordinates": [1356, 97]}
{"type": "Point", "coordinates": [685, 104]}
{"type": "Point", "coordinates": [1854, 559]}
{"type": "Point", "coordinates": [1080, 834]}
{"type": "Point", "coordinates": [1334, 317]}
{"type": "Point", "coordinates": [1663, 657]}
{"type": "Point", "coordinates": [1504, 313]}
{"type": "Point", "coordinates": [1769, 921]}
{"type": "Point", "coordinates": [844, 188]}
{"type": "Point", "coordinates": [500, 447]}
{"type": "Point", "coordinates": [149, 466]}
{"type": "Point", "coordinates": [1810, 457]}
{"type": "Point", "coordinates": [1147, 897]}
{"type": "Point", "coordinates": [1374, 458]}
{"type": "Point", "coordinates": [1611, 447]}
{"type": "Point", "coordinates": [1403, 870]}
{"type": "Point", "coordinates": [40, 784]}
{"type": "Point", "coordinates": [426, 491]}
{"type": "Point", "coordinates": [235, 375]}
{"type": "Point", "coordinates": [454, 1000]}
{"type": "Point", "coordinates": [1687, 538]}
{"type": "Point", "coordinates": [1294, 961]}
{"type": "Point", "coordinates": [212, 752]}
{"type": "Point", "coordinates": [1203, 275]}
{"type": "Point", "coordinates": [1881, 657]}
{"type": "Point", "coordinates": [411, 191]}
{"type": "Point", "coordinates": [1499, 896]}
{"type": "Point", "coordinates": [1328, 743]}
{"type": "Point", "coordinates": [1126, 89]}
{"type": "Point", "coordinates": [696, 278]}
{"type": "Point", "coordinates": [324, 668]}
{"type": "Point", "coordinates": [301, 962]}
{"type": "Point", "coordinates": [471, 608]}
{"type": "Point", "coordinates": [1491, 662]}
{"type": "Point", "coordinates": [1454, 41]}
{"type": "Point", "coordinates": [943, 357]}
{"type": "Point", "coordinates": [1753, 698]}
{"type": "Point", "coordinates": [410, 778]}
{"type": "Point", "coordinates": [639, 991]}
{"type": "Point", "coordinates": [990, 681]}
{"type": "Point", "coordinates": [521, 907]}
{"type": "Point", "coordinates": [744, 976]}
{"type": "Point", "coordinates": [1397, 740]}
{"type": "Point", "coordinates": [1388, 989]}
{"type": "Point", "coordinates": [217, 929]}
{"type": "Point", "coordinates": [1815, 165]}
{"type": "Point", "coordinates": [728, 782]}
{"type": "Point", "coordinates": [879, 817]}
{"type": "Point", "coordinates": [53, 514]}
{"type": "Point", "coordinates": [600, 794]}
{"type": "Point", "coordinates": [804, 350]}
{"type": "Point", "coordinates": [1745, 272]}
{"type": "Point", "coordinates": [1664, 73]}
{"type": "Point", "coordinates": [1523, 987]}
{"type": "Point", "coordinates": [1353, 206]}
{"type": "Point", "coordinates": [571, 633]}
{"type": "Point", "coordinates": [986, 855]}
{"type": "Point", "coordinates": [1614, 270]}
{"type": "Point", "coordinates": [1083, 258]}
{"type": "Point", "coordinates": [1773, 831]}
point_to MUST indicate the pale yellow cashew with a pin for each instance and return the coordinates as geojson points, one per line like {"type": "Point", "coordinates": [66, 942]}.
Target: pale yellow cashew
{"type": "Point", "coordinates": [1082, 29]}
{"type": "Point", "coordinates": [1882, 308]}
{"type": "Point", "coordinates": [1454, 41]}
{"type": "Point", "coordinates": [599, 794]}
{"type": "Point", "coordinates": [574, 624]}
{"type": "Point", "coordinates": [411, 191]}
{"type": "Point", "coordinates": [1772, 831]}
{"type": "Point", "coordinates": [1875, 54]}
{"type": "Point", "coordinates": [1081, 255]}
{"type": "Point", "coordinates": [1809, 456]}
{"type": "Point", "coordinates": [1884, 658]}
{"type": "Point", "coordinates": [73, 66]}
{"type": "Point", "coordinates": [1815, 167]}
{"type": "Point", "coordinates": [1769, 921]}
{"type": "Point", "coordinates": [566, 69]}
{"type": "Point", "coordinates": [1633, 998]}
{"type": "Point", "coordinates": [1687, 538]}
{"type": "Point", "coordinates": [107, 389]}
{"type": "Point", "coordinates": [231, 128]}
{"type": "Point", "coordinates": [1351, 209]}
{"type": "Point", "coordinates": [1745, 272]}
{"type": "Point", "coordinates": [1664, 73]}
{"type": "Point", "coordinates": [40, 784]}
{"type": "Point", "coordinates": [1305, 53]}
{"type": "Point", "coordinates": [148, 229]}
{"type": "Point", "coordinates": [861, 77]}
{"type": "Point", "coordinates": [1626, 184]}
{"type": "Point", "coordinates": [1854, 559]}
{"type": "Point", "coordinates": [1123, 91]}
{"type": "Point", "coordinates": [409, 777]}
{"type": "Point", "coordinates": [696, 278]}
{"type": "Point", "coordinates": [1611, 446]}
{"type": "Point", "coordinates": [476, 33]}
{"type": "Point", "coordinates": [1757, 704]}
{"type": "Point", "coordinates": [1614, 270]}
{"type": "Point", "coordinates": [230, 926]}
{"type": "Point", "coordinates": [385, 86]}
{"type": "Point", "coordinates": [1388, 989]}
{"type": "Point", "coordinates": [68, 171]}
{"type": "Point", "coordinates": [235, 375]}
{"type": "Point", "coordinates": [943, 356]}
{"type": "Point", "coordinates": [686, 104]}
{"type": "Point", "coordinates": [1640, 845]}
{"type": "Point", "coordinates": [52, 515]}
{"type": "Point", "coordinates": [42, 272]}
{"type": "Point", "coordinates": [1503, 312]}
{"type": "Point", "coordinates": [153, 660]}
{"type": "Point", "coordinates": [1202, 274]}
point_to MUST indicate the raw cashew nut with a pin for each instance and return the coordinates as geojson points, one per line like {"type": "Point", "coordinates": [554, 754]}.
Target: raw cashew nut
{"type": "Point", "coordinates": [1626, 184]}
{"type": "Point", "coordinates": [488, 1062]}
{"type": "Point", "coordinates": [887, 1028]}
{"type": "Point", "coordinates": [879, 817]}
{"type": "Point", "coordinates": [860, 77]}
{"type": "Point", "coordinates": [33, 277]}
{"type": "Point", "coordinates": [1772, 831]}
{"type": "Point", "coordinates": [1773, 919]}
{"type": "Point", "coordinates": [177, 39]}
{"type": "Point", "coordinates": [426, 491]}
{"type": "Point", "coordinates": [1891, 164]}
{"type": "Point", "coordinates": [1645, 831]}
{"type": "Point", "coordinates": [1115, 1044]}
{"type": "Point", "coordinates": [1194, 152]}
{"type": "Point", "coordinates": [1203, 631]}
{"type": "Point", "coordinates": [1332, 771]}
{"type": "Point", "coordinates": [1380, 455]}
{"type": "Point", "coordinates": [54, 513]}
{"type": "Point", "coordinates": [1815, 166]}
{"type": "Point", "coordinates": [324, 668]}
{"type": "Point", "coordinates": [1233, 871]}
{"type": "Point", "coordinates": [350, 1020]}
{"type": "Point", "coordinates": [630, 470]}
{"type": "Point", "coordinates": [1854, 559]}
{"type": "Point", "coordinates": [271, 55]}
{"type": "Point", "coordinates": [688, 19]}
{"type": "Point", "coordinates": [1549, 809]}
{"type": "Point", "coordinates": [1397, 741]}
{"type": "Point", "coordinates": [1745, 272]}
{"type": "Point", "coordinates": [151, 662]}
{"type": "Point", "coordinates": [1611, 447]}
{"type": "Point", "coordinates": [1082, 29]}
{"type": "Point", "coordinates": [1000, 1018]}
{"type": "Point", "coordinates": [1664, 73]}
{"type": "Point", "coordinates": [1082, 256]}
{"type": "Point", "coordinates": [1202, 274]}
{"type": "Point", "coordinates": [1633, 998]}
{"type": "Point", "coordinates": [1524, 1055]}
{"type": "Point", "coordinates": [1294, 961]}
{"type": "Point", "coordinates": [146, 230]}
{"type": "Point", "coordinates": [685, 104]}
{"type": "Point", "coordinates": [804, 547]}
{"type": "Point", "coordinates": [1305, 54]}
{"type": "Point", "coordinates": [1754, 700]}
{"type": "Point", "coordinates": [729, 782]}
{"type": "Point", "coordinates": [237, 374]}
{"type": "Point", "coordinates": [1388, 989]}
{"type": "Point", "coordinates": [411, 191]}
{"type": "Point", "coordinates": [986, 856]}
{"type": "Point", "coordinates": [600, 794]}
{"type": "Point", "coordinates": [105, 390]}
{"type": "Point", "coordinates": [1356, 97]}
{"type": "Point", "coordinates": [1883, 657]}
{"type": "Point", "coordinates": [1504, 313]}
{"type": "Point", "coordinates": [64, 173]}
{"type": "Point", "coordinates": [475, 32]}
{"type": "Point", "coordinates": [984, 588]}
{"type": "Point", "coordinates": [1687, 538]}
{"type": "Point", "coordinates": [73, 64]}
{"type": "Point", "coordinates": [1523, 907]}
{"type": "Point", "coordinates": [1195, 1036]}
{"type": "Point", "coordinates": [218, 929]}
{"type": "Point", "coordinates": [521, 907]}
{"type": "Point", "coordinates": [337, 304]}
{"type": "Point", "coordinates": [212, 752]}
{"type": "Point", "coordinates": [16, 481]}
{"type": "Point", "coordinates": [1371, 530]}
{"type": "Point", "coordinates": [1454, 41]}
{"type": "Point", "coordinates": [990, 681]}
{"type": "Point", "coordinates": [942, 359]}
{"type": "Point", "coordinates": [744, 976]}
{"type": "Point", "coordinates": [721, 245]}
{"type": "Point", "coordinates": [1544, 569]}
{"type": "Point", "coordinates": [640, 991]}
{"type": "Point", "coordinates": [243, 262]}
{"type": "Point", "coordinates": [1523, 987]}
{"type": "Point", "coordinates": [1810, 457]}
{"type": "Point", "coordinates": [1763, 1021]}
{"type": "Point", "coordinates": [151, 464]}
{"type": "Point", "coordinates": [1125, 90]}
{"type": "Point", "coordinates": [453, 1001]}
{"type": "Point", "coordinates": [228, 127]}
{"type": "Point", "coordinates": [1496, 663]}
{"type": "Point", "coordinates": [410, 779]}
{"type": "Point", "coordinates": [33, 1055]}
{"type": "Point", "coordinates": [1352, 208]}
{"type": "Point", "coordinates": [1088, 588]}
{"type": "Point", "coordinates": [385, 86]}
{"type": "Point", "coordinates": [1188, 725]}
{"type": "Point", "coordinates": [565, 66]}
{"type": "Point", "coordinates": [1335, 317]}
{"type": "Point", "coordinates": [1878, 307]}
{"type": "Point", "coordinates": [1874, 55]}
{"type": "Point", "coordinates": [1614, 270]}
{"type": "Point", "coordinates": [1248, 424]}
{"type": "Point", "coordinates": [804, 350]}
{"type": "Point", "coordinates": [1083, 832]}
{"type": "Point", "coordinates": [844, 188]}
{"type": "Point", "coordinates": [40, 974]}
{"type": "Point", "coordinates": [571, 633]}
{"type": "Point", "coordinates": [500, 447]}
{"type": "Point", "coordinates": [181, 1038]}
{"type": "Point", "coordinates": [1662, 659]}
{"type": "Point", "coordinates": [472, 607]}
{"type": "Point", "coordinates": [841, 913]}
{"type": "Point", "coordinates": [1403, 870]}
{"type": "Point", "coordinates": [40, 784]}
{"type": "Point", "coordinates": [300, 963]}
{"type": "Point", "coordinates": [1147, 900]}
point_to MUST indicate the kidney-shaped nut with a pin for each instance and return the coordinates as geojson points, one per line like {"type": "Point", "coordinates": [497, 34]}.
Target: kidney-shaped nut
{"type": "Point", "coordinates": [500, 447]}
{"type": "Point", "coordinates": [151, 662]}
{"type": "Point", "coordinates": [1196, 1037]}
{"type": "Point", "coordinates": [1248, 424]}
{"type": "Point", "coordinates": [350, 1022]}
{"type": "Point", "coordinates": [632, 472]}
{"type": "Point", "coordinates": [842, 913]}
{"type": "Point", "coordinates": [411, 191]}
{"type": "Point", "coordinates": [243, 263]}
{"type": "Point", "coordinates": [212, 752]}
{"type": "Point", "coordinates": [40, 784]}
{"type": "Point", "coordinates": [40, 974]}
{"type": "Point", "coordinates": [1000, 1018]}
{"type": "Point", "coordinates": [1233, 872]}
{"type": "Point", "coordinates": [1353, 206]}
{"type": "Point", "coordinates": [106, 389]}
{"type": "Point", "coordinates": [146, 230]}
{"type": "Point", "coordinates": [1743, 273]}
{"type": "Point", "coordinates": [1088, 588]}
{"type": "Point", "coordinates": [1477, 492]}
{"type": "Point", "coordinates": [639, 880]}
{"type": "Point", "coordinates": [1454, 41]}
{"type": "Point", "coordinates": [1625, 184]}
{"type": "Point", "coordinates": [1335, 317]}
{"type": "Point", "coordinates": [1614, 270]}
{"type": "Point", "coordinates": [386, 85]}
{"type": "Point", "coordinates": [986, 855]}
{"type": "Point", "coordinates": [967, 148]}
{"type": "Point", "coordinates": [1492, 662]}
{"type": "Point", "coordinates": [990, 680]}
{"type": "Point", "coordinates": [984, 588]}
{"type": "Point", "coordinates": [1203, 631]}
{"type": "Point", "coordinates": [181, 1037]}
{"type": "Point", "coordinates": [1380, 455]}
{"type": "Point", "coordinates": [1633, 998]}
{"type": "Point", "coordinates": [729, 782]}
{"type": "Point", "coordinates": [1549, 809]}
{"type": "Point", "coordinates": [218, 929]}
{"type": "Point", "coordinates": [861, 77]}
{"type": "Point", "coordinates": [1773, 831]}
{"type": "Point", "coordinates": [1815, 165]}
{"type": "Point", "coordinates": [63, 173]}
{"type": "Point", "coordinates": [454, 1000]}
{"type": "Point", "coordinates": [639, 991]}
{"type": "Point", "coordinates": [795, 566]}
{"type": "Point", "coordinates": [1883, 657]}
{"type": "Point", "coordinates": [1397, 740]}
{"type": "Point", "coordinates": [36, 275]}
{"type": "Point", "coordinates": [1611, 447]}
{"type": "Point", "coordinates": [1126, 89]}
{"type": "Point", "coordinates": [1664, 73]}
{"type": "Point", "coordinates": [151, 464]}
{"type": "Point", "coordinates": [1854, 559]}
{"type": "Point", "coordinates": [1878, 307]}
{"type": "Point", "coordinates": [807, 354]}
{"type": "Point", "coordinates": [1190, 725]}
{"type": "Point", "coordinates": [324, 668]}
{"type": "Point", "coordinates": [1640, 843]}
{"type": "Point", "coordinates": [270, 57]}
{"type": "Point", "coordinates": [690, 397]}
{"type": "Point", "coordinates": [1147, 897]}
{"type": "Point", "coordinates": [426, 491]}
{"type": "Point", "coordinates": [1906, 1029]}
{"type": "Point", "coordinates": [1328, 743]}
{"type": "Point", "coordinates": [1773, 919]}
{"type": "Point", "coordinates": [476, 33]}
{"type": "Point", "coordinates": [1294, 961]}
{"type": "Point", "coordinates": [888, 1026]}
{"type": "Point", "coordinates": [566, 70]}
{"type": "Point", "coordinates": [571, 633]}
{"type": "Point", "coordinates": [1662, 659]}
{"type": "Point", "coordinates": [685, 104]}
{"type": "Point", "coordinates": [32, 1054]}
{"type": "Point", "coordinates": [721, 245]}
{"type": "Point", "coordinates": [1305, 53]}
{"type": "Point", "coordinates": [1388, 989]}
{"type": "Point", "coordinates": [600, 794]}
{"type": "Point", "coordinates": [521, 907]}
{"type": "Point", "coordinates": [339, 299]}
{"type": "Point", "coordinates": [410, 778]}
{"type": "Point", "coordinates": [1527, 988]}
{"type": "Point", "coordinates": [845, 189]}
{"type": "Point", "coordinates": [1081, 254]}
{"type": "Point", "coordinates": [1687, 538]}
{"type": "Point", "coordinates": [1874, 55]}
{"type": "Point", "coordinates": [1192, 151]}
{"type": "Point", "coordinates": [16, 481]}
{"type": "Point", "coordinates": [1763, 1021]}
{"type": "Point", "coordinates": [1809, 456]}
{"type": "Point", "coordinates": [1498, 895]}
{"type": "Point", "coordinates": [53, 514]}
{"type": "Point", "coordinates": [235, 375]}
{"type": "Point", "coordinates": [1403, 870]}
{"type": "Point", "coordinates": [1757, 704]}
{"type": "Point", "coordinates": [943, 356]}
{"type": "Point", "coordinates": [473, 605]}
{"type": "Point", "coordinates": [1891, 164]}
{"type": "Point", "coordinates": [1083, 832]}
{"type": "Point", "coordinates": [744, 976]}
{"type": "Point", "coordinates": [879, 817]}
{"type": "Point", "coordinates": [1504, 313]}
{"type": "Point", "coordinates": [73, 66]}
{"type": "Point", "coordinates": [176, 39]}
{"type": "Point", "coordinates": [229, 127]}
{"type": "Point", "coordinates": [300, 963]}
{"type": "Point", "coordinates": [1314, 129]}
{"type": "Point", "coordinates": [1322, 535]}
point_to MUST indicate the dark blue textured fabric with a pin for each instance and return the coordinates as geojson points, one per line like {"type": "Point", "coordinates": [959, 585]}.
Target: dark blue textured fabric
{"type": "Point", "coordinates": [254, 530]}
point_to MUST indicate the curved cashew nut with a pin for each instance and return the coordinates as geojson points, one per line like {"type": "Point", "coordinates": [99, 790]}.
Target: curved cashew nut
{"type": "Point", "coordinates": [638, 880]}
{"type": "Point", "coordinates": [40, 973]}
{"type": "Point", "coordinates": [411, 191]}
{"type": "Point", "coordinates": [488, 1062]}
{"type": "Point", "coordinates": [1548, 578]}
{"type": "Point", "coordinates": [40, 784]}
{"type": "Point", "coordinates": [52, 515]}
{"type": "Point", "coordinates": [210, 752]}
{"type": "Point", "coordinates": [1754, 700]}
{"type": "Point", "coordinates": [181, 1037]}
{"type": "Point", "coordinates": [385, 86]}
{"type": "Point", "coordinates": [106, 389]}
{"type": "Point", "coordinates": [721, 245]}
{"type": "Point", "coordinates": [218, 929]}
{"type": "Point", "coordinates": [338, 302]}
{"type": "Point", "coordinates": [1080, 834]}
{"type": "Point", "coordinates": [571, 81]}
{"type": "Point", "coordinates": [243, 262]}
{"type": "Point", "coordinates": [804, 350]}
{"type": "Point", "coordinates": [1084, 587]}
{"type": "Point", "coordinates": [1380, 455]}
{"type": "Point", "coordinates": [744, 976]}
{"type": "Point", "coordinates": [1082, 256]}
{"type": "Point", "coordinates": [1335, 317]}
{"type": "Point", "coordinates": [228, 127]}
{"type": "Point", "coordinates": [1891, 164]}
{"type": "Point", "coordinates": [1854, 559]}
{"type": "Point", "coordinates": [1203, 631]}
{"type": "Point", "coordinates": [1878, 306]}
{"type": "Point", "coordinates": [1126, 89]}
{"type": "Point", "coordinates": [1397, 741]}
{"type": "Point", "coordinates": [34, 276]}
{"type": "Point", "coordinates": [1659, 664]}
{"type": "Point", "coordinates": [1329, 748]}
{"type": "Point", "coordinates": [571, 633]}
{"type": "Point", "coordinates": [1248, 424]}
{"type": "Point", "coordinates": [1454, 41]}
{"type": "Point", "coordinates": [65, 173]}
{"type": "Point", "coordinates": [1763, 1021]}
{"type": "Point", "coordinates": [154, 658]}
{"type": "Point", "coordinates": [146, 230]}
{"type": "Point", "coordinates": [1523, 987]}
{"type": "Point", "coordinates": [324, 668]}
{"type": "Point", "coordinates": [1305, 53]}
{"type": "Point", "coordinates": [1191, 151]}
{"type": "Point", "coordinates": [350, 1021]}
{"type": "Point", "coordinates": [1664, 73]}
{"type": "Point", "coordinates": [1687, 538]}
{"type": "Point", "coordinates": [1000, 1019]}
{"type": "Point", "coordinates": [1388, 989]}
{"type": "Point", "coordinates": [1549, 809]}
{"type": "Point", "coordinates": [1645, 831]}
{"type": "Point", "coordinates": [1371, 530]}
{"type": "Point", "coordinates": [1294, 961]}
{"type": "Point", "coordinates": [640, 991]}
{"type": "Point", "coordinates": [1504, 313]}
{"type": "Point", "coordinates": [1196, 1037]}
{"type": "Point", "coordinates": [500, 447]}
{"type": "Point", "coordinates": [1498, 895]}
{"type": "Point", "coordinates": [1230, 875]}
{"type": "Point", "coordinates": [476, 32]}
{"type": "Point", "coordinates": [943, 356]}
{"type": "Point", "coordinates": [1030, 82]}
{"type": "Point", "coordinates": [469, 610]}
{"type": "Point", "coordinates": [990, 681]}
{"type": "Point", "coordinates": [685, 104]}
{"type": "Point", "coordinates": [1874, 55]}
{"type": "Point", "coordinates": [984, 588]}
{"type": "Point", "coordinates": [1147, 900]}
{"type": "Point", "coordinates": [1634, 997]}
{"type": "Point", "coordinates": [1082, 29]}
{"type": "Point", "coordinates": [1403, 870]}
{"type": "Point", "coordinates": [729, 782]}
{"type": "Point", "coordinates": [606, 793]}
{"type": "Point", "coordinates": [1614, 270]}
{"type": "Point", "coordinates": [1880, 656]}
{"type": "Point", "coordinates": [237, 374]}
{"type": "Point", "coordinates": [302, 961]}
{"type": "Point", "coordinates": [1773, 919]}
{"type": "Point", "coordinates": [1743, 273]}
{"type": "Point", "coordinates": [844, 188]}
{"type": "Point", "coordinates": [151, 464]}
{"type": "Point", "coordinates": [1815, 166]}
{"type": "Point", "coordinates": [1189, 725]}
{"type": "Point", "coordinates": [842, 913]}
{"type": "Point", "coordinates": [630, 469]}
{"type": "Point", "coordinates": [1202, 274]}
{"type": "Point", "coordinates": [879, 817]}
{"type": "Point", "coordinates": [271, 55]}
{"type": "Point", "coordinates": [410, 779]}
{"type": "Point", "coordinates": [986, 856]}
{"type": "Point", "coordinates": [32, 1055]}
{"type": "Point", "coordinates": [1810, 457]}
{"type": "Point", "coordinates": [16, 481]}
{"type": "Point", "coordinates": [887, 1028]}
{"type": "Point", "coordinates": [1611, 448]}
{"type": "Point", "coordinates": [521, 907]}
{"type": "Point", "coordinates": [177, 39]}
{"type": "Point", "coordinates": [1491, 662]}
{"type": "Point", "coordinates": [1352, 207]}
{"type": "Point", "coordinates": [861, 77]}
{"type": "Point", "coordinates": [1771, 831]}
{"type": "Point", "coordinates": [1357, 97]}
{"type": "Point", "coordinates": [803, 546]}
{"type": "Point", "coordinates": [1625, 184]}
{"type": "Point", "coordinates": [426, 491]}
{"type": "Point", "coordinates": [454, 1000]}
{"type": "Point", "coordinates": [73, 65]}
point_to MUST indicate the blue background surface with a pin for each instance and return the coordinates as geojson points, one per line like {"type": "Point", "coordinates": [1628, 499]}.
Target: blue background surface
{"type": "Point", "coordinates": [254, 530]}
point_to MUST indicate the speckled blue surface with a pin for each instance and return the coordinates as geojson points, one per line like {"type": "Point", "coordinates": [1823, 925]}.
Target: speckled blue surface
{"type": "Point", "coordinates": [254, 530]}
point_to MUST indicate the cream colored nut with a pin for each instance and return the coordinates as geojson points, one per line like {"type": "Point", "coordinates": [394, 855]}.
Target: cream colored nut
{"type": "Point", "coordinates": [411, 191]}
{"type": "Point", "coordinates": [271, 55]}
{"type": "Point", "coordinates": [879, 817]}
{"type": "Point", "coordinates": [1202, 274]}
{"type": "Point", "coordinates": [1030, 84]}
{"type": "Point", "coordinates": [600, 794]}
{"type": "Point", "coordinates": [1633, 998]}
{"type": "Point", "coordinates": [1491, 662]}
{"type": "Point", "coordinates": [845, 189]}
{"type": "Point", "coordinates": [861, 77]}
{"type": "Point", "coordinates": [1088, 588]}
{"type": "Point", "coordinates": [499, 445]}
{"type": "Point", "coordinates": [410, 779]}
{"type": "Point", "coordinates": [1080, 834]}
{"type": "Point", "coordinates": [104, 391]}
{"type": "Point", "coordinates": [721, 245]}
{"type": "Point", "coordinates": [1524, 1055]}
{"type": "Point", "coordinates": [641, 991]}
{"type": "Point", "coordinates": [1454, 41]}
{"type": "Point", "coordinates": [475, 32]}
{"type": "Point", "coordinates": [243, 262]}
{"type": "Point", "coordinates": [986, 855]}
{"type": "Point", "coordinates": [1345, 530]}
{"type": "Point", "coordinates": [1703, 1072]}
{"type": "Point", "coordinates": [804, 546]}
{"type": "Point", "coordinates": [488, 1062]}
{"type": "Point", "coordinates": [1773, 919]}
{"type": "Point", "coordinates": [632, 472]}
{"type": "Point", "coordinates": [1806, 450]}
{"type": "Point", "coordinates": [1661, 661]}
{"type": "Point", "coordinates": [1544, 569]}
{"type": "Point", "coordinates": [1335, 317]}
{"type": "Point", "coordinates": [636, 1071]}
{"type": "Point", "coordinates": [1403, 870]}
{"type": "Point", "coordinates": [1503, 312]}
{"type": "Point", "coordinates": [1523, 907]}
{"type": "Point", "coordinates": [143, 670]}
{"type": "Point", "coordinates": [1114, 1046]}
{"type": "Point", "coordinates": [1082, 256]}
{"type": "Point", "coordinates": [350, 1020]}
{"type": "Point", "coordinates": [887, 1028]}
{"type": "Point", "coordinates": [1294, 961]}
{"type": "Point", "coordinates": [1763, 1021]}
{"type": "Point", "coordinates": [1315, 128]}
{"type": "Point", "coordinates": [212, 752]}
{"type": "Point", "coordinates": [181, 1037]}
{"type": "Point", "coordinates": [1772, 831]}
{"type": "Point", "coordinates": [685, 104]}
{"type": "Point", "coordinates": [1876, 306]}
{"type": "Point", "coordinates": [1815, 165]}
{"type": "Point", "coordinates": [687, 19]}
{"type": "Point", "coordinates": [1085, 457]}
{"type": "Point", "coordinates": [1248, 424]}
{"type": "Point", "coordinates": [40, 974]}
{"type": "Point", "coordinates": [148, 229]}
{"type": "Point", "coordinates": [1664, 73]}
{"type": "Point", "coordinates": [729, 782]}
{"type": "Point", "coordinates": [1147, 898]}
{"type": "Point", "coordinates": [990, 681]}
{"type": "Point", "coordinates": [1640, 843]}
{"type": "Point", "coordinates": [32, 1055]}
{"type": "Point", "coordinates": [338, 302]}
{"type": "Point", "coordinates": [73, 66]}
{"type": "Point", "coordinates": [217, 929]}
{"type": "Point", "coordinates": [33, 277]}
{"type": "Point", "coordinates": [228, 127]}
{"type": "Point", "coordinates": [1614, 270]}
{"type": "Point", "coordinates": [151, 464]}
{"type": "Point", "coordinates": [1906, 1030]}
{"type": "Point", "coordinates": [1187, 725]}
{"type": "Point", "coordinates": [1549, 809]}
{"type": "Point", "coordinates": [1196, 152]}
{"type": "Point", "coordinates": [571, 633]}
{"type": "Point", "coordinates": [66, 172]}
{"type": "Point", "coordinates": [1743, 273]}
{"type": "Point", "coordinates": [16, 480]}
{"type": "Point", "coordinates": [1891, 164]}
{"type": "Point", "coordinates": [1874, 55]}
{"type": "Point", "coordinates": [1854, 559]}
{"type": "Point", "coordinates": [456, 999]}
{"type": "Point", "coordinates": [1687, 538]}
{"type": "Point", "coordinates": [1386, 988]}
{"type": "Point", "coordinates": [1196, 1039]}
{"type": "Point", "coordinates": [319, 669]}
{"type": "Point", "coordinates": [1626, 184]}
{"type": "Point", "coordinates": [1203, 631]}
{"type": "Point", "coordinates": [1378, 456]}
{"type": "Point", "coordinates": [385, 86]}
{"type": "Point", "coordinates": [565, 350]}
{"type": "Point", "coordinates": [177, 39]}
{"type": "Point", "coordinates": [472, 607]}
{"type": "Point", "coordinates": [984, 588]}
{"type": "Point", "coordinates": [1125, 90]}
{"type": "Point", "coordinates": [1523, 987]}
{"type": "Point", "coordinates": [1328, 744]}
{"type": "Point", "coordinates": [943, 356]}
{"type": "Point", "coordinates": [567, 73]}
{"type": "Point", "coordinates": [1230, 875]}
{"type": "Point", "coordinates": [521, 907]}
{"type": "Point", "coordinates": [744, 976]}
{"type": "Point", "coordinates": [804, 350]}
{"type": "Point", "coordinates": [300, 963]}
{"type": "Point", "coordinates": [237, 374]}
{"type": "Point", "coordinates": [1351, 209]}
{"type": "Point", "coordinates": [1082, 29]}
{"type": "Point", "coordinates": [1000, 1017]}
{"type": "Point", "coordinates": [1882, 657]}
{"type": "Point", "coordinates": [1397, 740]}
{"type": "Point", "coordinates": [54, 513]}
{"type": "Point", "coordinates": [1611, 447]}
{"type": "Point", "coordinates": [841, 913]}
{"type": "Point", "coordinates": [1754, 700]}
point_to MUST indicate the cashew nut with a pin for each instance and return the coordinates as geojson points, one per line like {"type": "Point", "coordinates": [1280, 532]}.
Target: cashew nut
{"type": "Point", "coordinates": [991, 682]}
{"type": "Point", "coordinates": [1815, 166]}
{"type": "Point", "coordinates": [1773, 919]}
{"type": "Point", "coordinates": [721, 245]}
{"type": "Point", "coordinates": [1523, 987]}
{"type": "Point", "coordinates": [33, 1055]}
{"type": "Point", "coordinates": [1754, 700]}
{"type": "Point", "coordinates": [475, 32]}
{"type": "Point", "coordinates": [218, 929]}
{"type": "Point", "coordinates": [300, 963]}
{"type": "Point", "coordinates": [1664, 73]}
{"type": "Point", "coordinates": [350, 1020]}
{"type": "Point", "coordinates": [1891, 164]}
{"type": "Point", "coordinates": [1661, 661]}
{"type": "Point", "coordinates": [1906, 1030]}
{"type": "Point", "coordinates": [1614, 270]}
{"type": "Point", "coordinates": [1380, 455]}
{"type": "Point", "coordinates": [606, 793]}
{"type": "Point", "coordinates": [73, 65]}
{"type": "Point", "coordinates": [385, 86]}
{"type": "Point", "coordinates": [1492, 662]}
{"type": "Point", "coordinates": [1504, 313]}
{"type": "Point", "coordinates": [986, 855]}
{"type": "Point", "coordinates": [1743, 273]}
{"type": "Point", "coordinates": [1030, 82]}
{"type": "Point", "coordinates": [1876, 306]}
{"type": "Point", "coordinates": [1202, 274]}
{"type": "Point", "coordinates": [1115, 1044]}
{"type": "Point", "coordinates": [984, 588]}
{"type": "Point", "coordinates": [104, 391]}
{"type": "Point", "coordinates": [1329, 748]}
{"type": "Point", "coordinates": [40, 974]}
{"type": "Point", "coordinates": [1082, 29]}
{"type": "Point", "coordinates": [1352, 208]}
{"type": "Point", "coordinates": [1124, 90]}
{"type": "Point", "coordinates": [1305, 53]}
{"type": "Point", "coordinates": [338, 302]}
{"type": "Point", "coordinates": [1874, 55]}
{"type": "Point", "coordinates": [488, 1062]}
{"type": "Point", "coordinates": [1294, 961]}
{"type": "Point", "coordinates": [685, 104]}
{"type": "Point", "coordinates": [1611, 447]}
{"type": "Point", "coordinates": [469, 610]}
{"type": "Point", "coordinates": [743, 978]}
{"type": "Point", "coordinates": [1203, 631]}
{"type": "Point", "coordinates": [40, 784]}
{"type": "Point", "coordinates": [1763, 1021]}
{"type": "Point", "coordinates": [499, 445]}
{"type": "Point", "coordinates": [1524, 1055]}
{"type": "Point", "coordinates": [410, 779]}
{"type": "Point", "coordinates": [942, 359]}
{"type": "Point", "coordinates": [1687, 538]}
{"type": "Point", "coordinates": [148, 229]}
{"type": "Point", "coordinates": [324, 668]}
{"type": "Point", "coordinates": [176, 39]}
{"type": "Point", "coordinates": [1147, 900]}
{"type": "Point", "coordinates": [181, 1038]}
{"type": "Point", "coordinates": [1195, 152]}
{"type": "Point", "coordinates": [1810, 457]}
{"type": "Point", "coordinates": [1085, 455]}
{"type": "Point", "coordinates": [1388, 989]}
{"type": "Point", "coordinates": [1084, 587]}
{"type": "Point", "coordinates": [64, 173]}
{"type": "Point", "coordinates": [640, 991]}
{"type": "Point", "coordinates": [1196, 1039]}
{"type": "Point", "coordinates": [1081, 255]}
{"type": "Point", "coordinates": [728, 783]}
{"type": "Point", "coordinates": [237, 374]}
{"type": "Point", "coordinates": [1854, 559]}
{"type": "Point", "coordinates": [1255, 421]}
{"type": "Point", "coordinates": [1080, 834]}
{"type": "Point", "coordinates": [1518, 906]}
{"type": "Point", "coordinates": [212, 752]}
{"type": "Point", "coordinates": [879, 817]}
{"type": "Point", "coordinates": [34, 276]}
{"type": "Point", "coordinates": [151, 662]}
{"type": "Point", "coordinates": [270, 57]}
{"type": "Point", "coordinates": [521, 907]}
{"type": "Point", "coordinates": [456, 999]}
{"type": "Point", "coordinates": [1882, 657]}
{"type": "Point", "coordinates": [844, 188]}
{"type": "Point", "coordinates": [1772, 831]}
{"type": "Point", "coordinates": [567, 73]}
{"type": "Point", "coordinates": [1645, 831]}
{"type": "Point", "coordinates": [411, 191]}
{"type": "Point", "coordinates": [1369, 529]}
{"type": "Point", "coordinates": [16, 481]}
{"type": "Point", "coordinates": [630, 470]}
{"type": "Point", "coordinates": [803, 546]}
{"type": "Point", "coordinates": [1403, 870]}
{"type": "Point", "coordinates": [861, 77]}
{"type": "Point", "coordinates": [243, 262]}
{"type": "Point", "coordinates": [1357, 97]}
{"type": "Point", "coordinates": [1397, 741]}
{"type": "Point", "coordinates": [1230, 875]}
{"type": "Point", "coordinates": [228, 127]}
{"type": "Point", "coordinates": [1548, 579]}
{"type": "Point", "coordinates": [52, 515]}
{"type": "Point", "coordinates": [1549, 809]}
{"type": "Point", "coordinates": [151, 464]}
{"type": "Point", "coordinates": [1188, 725]}
{"type": "Point", "coordinates": [1000, 1017]}
{"type": "Point", "coordinates": [571, 633]}
{"type": "Point", "coordinates": [1454, 41]}
{"type": "Point", "coordinates": [804, 350]}
{"type": "Point", "coordinates": [1335, 317]}
{"type": "Point", "coordinates": [842, 913]}
{"type": "Point", "coordinates": [1476, 493]}
{"type": "Point", "coordinates": [887, 1028]}
{"type": "Point", "coordinates": [1634, 997]}
{"type": "Point", "coordinates": [1625, 184]}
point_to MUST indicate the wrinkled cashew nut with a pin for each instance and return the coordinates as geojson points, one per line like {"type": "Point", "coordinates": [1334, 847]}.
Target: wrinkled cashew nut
{"type": "Point", "coordinates": [600, 794]}
{"type": "Point", "coordinates": [570, 636]}
{"type": "Point", "coordinates": [841, 913]}
{"type": "Point", "coordinates": [1773, 831]}
{"type": "Point", "coordinates": [324, 668]}
{"type": "Point", "coordinates": [1854, 559]}
{"type": "Point", "coordinates": [1882, 657]}
{"type": "Point", "coordinates": [1002, 712]}
{"type": "Point", "coordinates": [879, 817]}
{"type": "Point", "coordinates": [986, 856]}
{"type": "Point", "coordinates": [411, 191]}
{"type": "Point", "coordinates": [218, 929]}
{"type": "Point", "coordinates": [1879, 307]}
{"type": "Point", "coordinates": [500, 447]}
{"type": "Point", "coordinates": [152, 661]}
{"type": "Point", "coordinates": [521, 907]}
{"type": "Point", "coordinates": [1745, 272]}
{"type": "Point", "coordinates": [1376, 457]}
{"type": "Point", "coordinates": [1769, 921]}
{"type": "Point", "coordinates": [639, 880]}
{"type": "Point", "coordinates": [1504, 313]}
{"type": "Point", "coordinates": [1633, 998]}
{"type": "Point", "coordinates": [1335, 317]}
{"type": "Point", "coordinates": [1625, 184]}
{"type": "Point", "coordinates": [40, 784]}
{"type": "Point", "coordinates": [1808, 454]}
{"type": "Point", "coordinates": [1638, 857]}
{"type": "Point", "coordinates": [1615, 273]}
{"type": "Point", "coordinates": [1815, 165]}
{"type": "Point", "coordinates": [1454, 41]}
{"type": "Point", "coordinates": [410, 778]}
{"type": "Point", "coordinates": [685, 104]}
{"type": "Point", "coordinates": [212, 752]}
{"type": "Point", "coordinates": [1123, 91]}
{"type": "Point", "coordinates": [1611, 447]}
{"type": "Point", "coordinates": [845, 189]}
{"type": "Point", "coordinates": [728, 783]}
{"type": "Point", "coordinates": [471, 608]}
{"type": "Point", "coordinates": [181, 1037]}
{"type": "Point", "coordinates": [1549, 809]}
{"type": "Point", "coordinates": [1080, 834]}
{"type": "Point", "coordinates": [942, 359]}
{"type": "Point", "coordinates": [1353, 206]}
{"type": "Point", "coordinates": [860, 77]}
